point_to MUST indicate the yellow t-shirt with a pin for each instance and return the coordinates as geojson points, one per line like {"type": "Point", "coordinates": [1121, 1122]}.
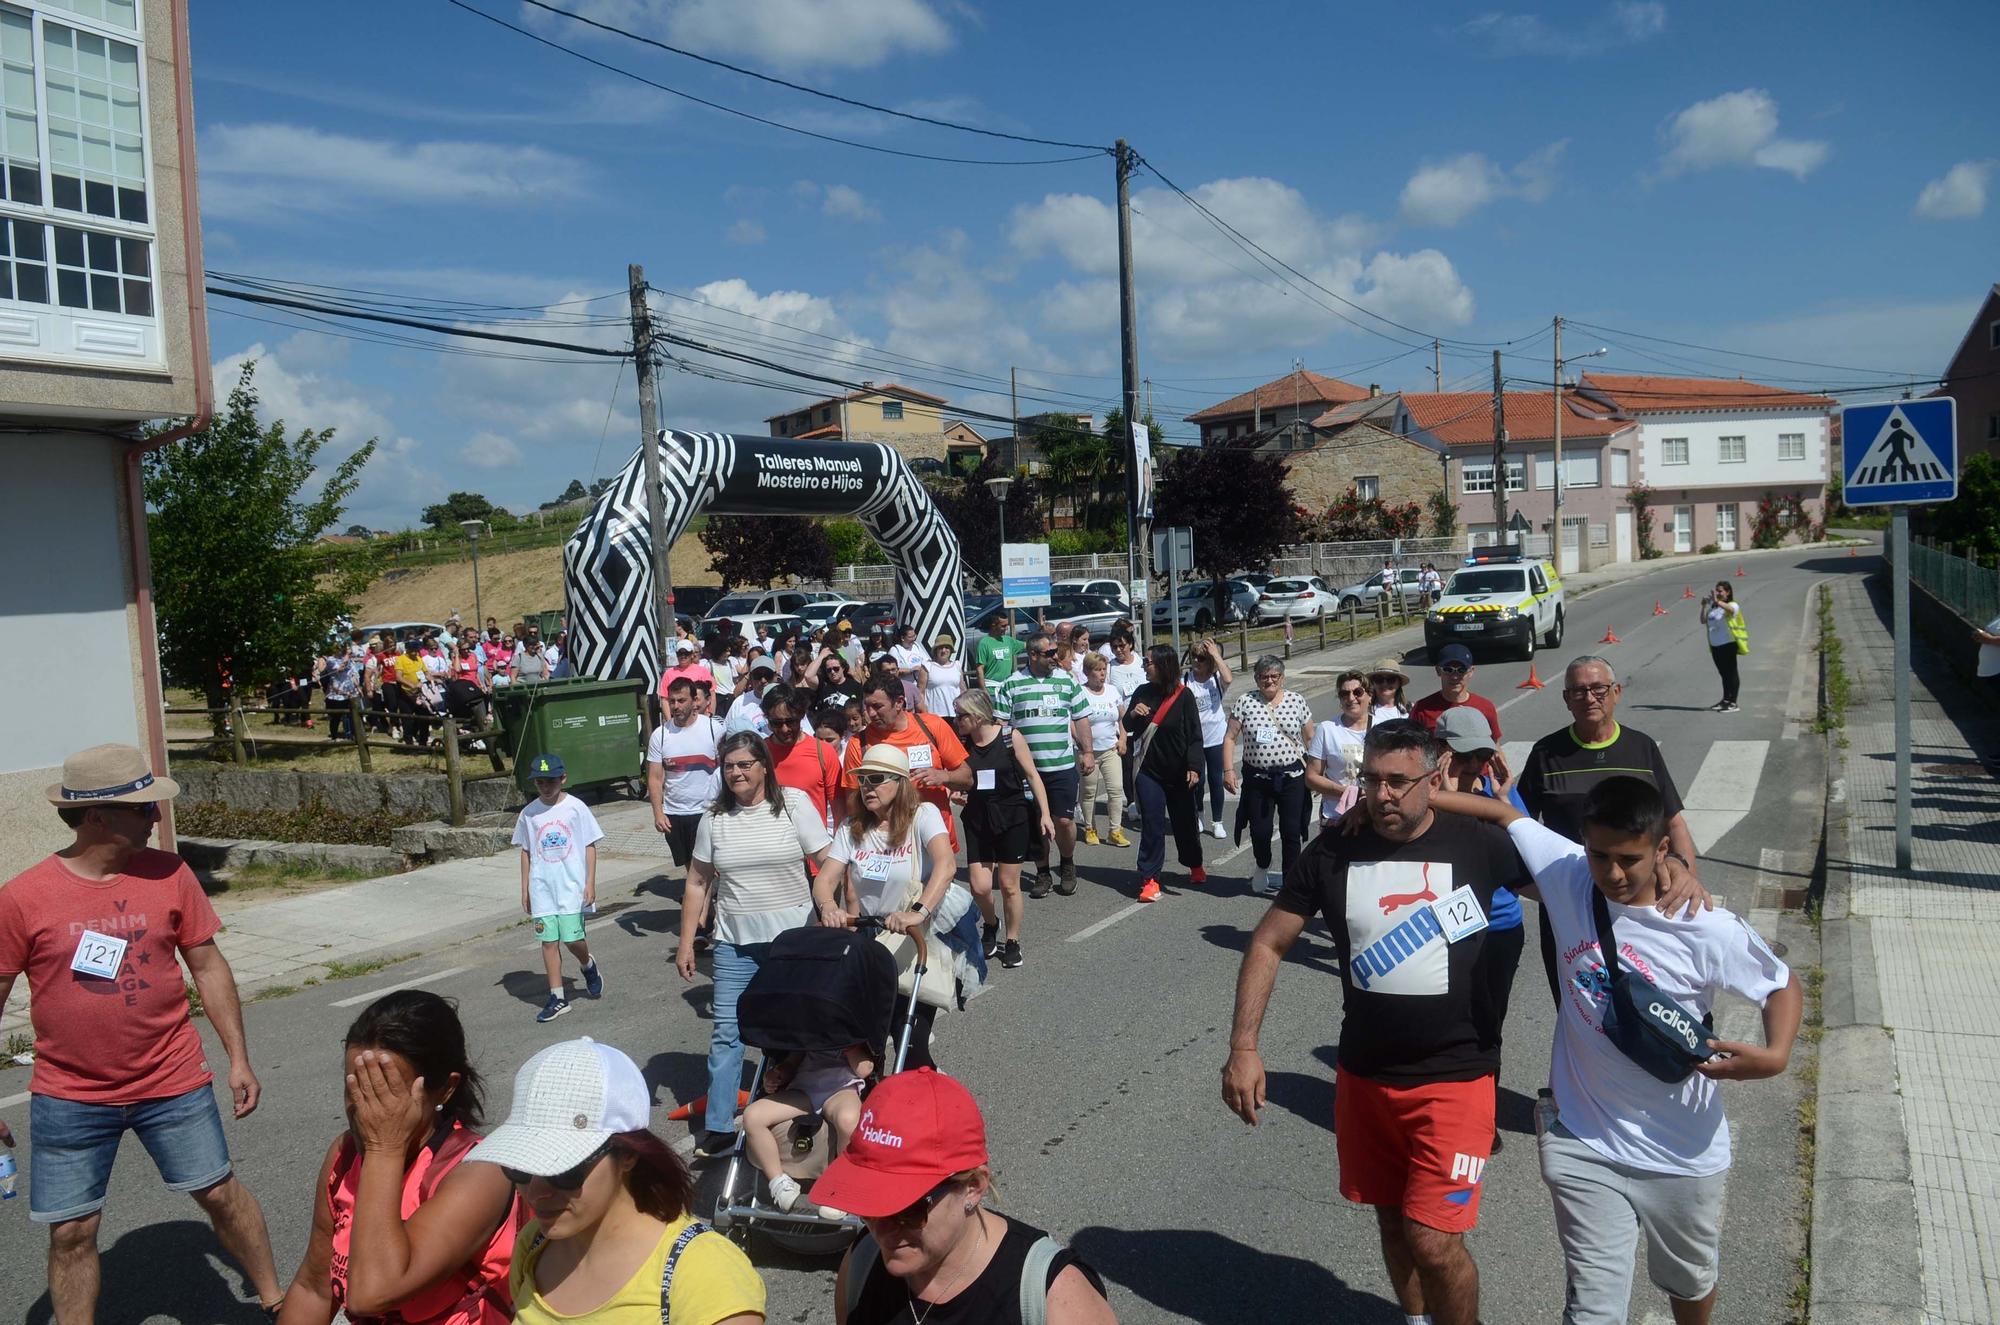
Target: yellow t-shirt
{"type": "Point", "coordinates": [713, 1281]}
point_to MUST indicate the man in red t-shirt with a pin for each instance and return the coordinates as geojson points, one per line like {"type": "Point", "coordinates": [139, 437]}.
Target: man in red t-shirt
{"type": "Point", "coordinates": [801, 759]}
{"type": "Point", "coordinates": [96, 928]}
{"type": "Point", "coordinates": [936, 755]}
{"type": "Point", "coordinates": [1454, 671]}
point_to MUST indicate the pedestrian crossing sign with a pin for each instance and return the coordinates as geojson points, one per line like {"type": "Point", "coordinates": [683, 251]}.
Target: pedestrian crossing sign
{"type": "Point", "coordinates": [1900, 453]}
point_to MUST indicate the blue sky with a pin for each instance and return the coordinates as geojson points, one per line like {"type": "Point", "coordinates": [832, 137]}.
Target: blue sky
{"type": "Point", "coordinates": [1784, 179]}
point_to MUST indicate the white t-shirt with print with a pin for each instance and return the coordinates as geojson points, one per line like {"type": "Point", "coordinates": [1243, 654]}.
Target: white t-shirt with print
{"type": "Point", "coordinates": [556, 838]}
{"type": "Point", "coordinates": [1718, 627]}
{"type": "Point", "coordinates": [882, 875]}
{"type": "Point", "coordinates": [909, 657]}
{"type": "Point", "coordinates": [1208, 705]}
{"type": "Point", "coordinates": [1105, 708]}
{"type": "Point", "coordinates": [1386, 713]}
{"type": "Point", "coordinates": [1609, 1102]}
{"type": "Point", "coordinates": [1338, 748]}
{"type": "Point", "coordinates": [686, 756]}
{"type": "Point", "coordinates": [1128, 677]}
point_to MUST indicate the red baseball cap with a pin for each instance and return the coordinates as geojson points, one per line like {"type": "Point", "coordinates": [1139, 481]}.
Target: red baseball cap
{"type": "Point", "coordinates": [917, 1129]}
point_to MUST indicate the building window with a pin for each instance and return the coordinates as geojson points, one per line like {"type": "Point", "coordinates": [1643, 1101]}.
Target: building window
{"type": "Point", "coordinates": [111, 13]}
{"type": "Point", "coordinates": [104, 273]}
{"type": "Point", "coordinates": [1791, 446]}
{"type": "Point", "coordinates": [20, 142]}
{"type": "Point", "coordinates": [1992, 427]}
{"type": "Point", "coordinates": [826, 415]}
{"type": "Point", "coordinates": [1517, 476]}
{"type": "Point", "coordinates": [1993, 336]}
{"type": "Point", "coordinates": [1476, 476]}
{"type": "Point", "coordinates": [97, 148]}
{"type": "Point", "coordinates": [1621, 469]}
{"type": "Point", "coordinates": [1368, 487]}
{"type": "Point", "coordinates": [1673, 450]}
{"type": "Point", "coordinates": [1725, 526]}
{"type": "Point", "coordinates": [1731, 450]}
{"type": "Point", "coordinates": [1545, 472]}
{"type": "Point", "coordinates": [892, 409]}
{"type": "Point", "coordinates": [24, 268]}
{"type": "Point", "coordinates": [1600, 535]}
{"type": "Point", "coordinates": [1584, 471]}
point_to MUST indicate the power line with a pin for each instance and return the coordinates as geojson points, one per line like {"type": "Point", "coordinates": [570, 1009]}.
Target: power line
{"type": "Point", "coordinates": [811, 91]}
{"type": "Point", "coordinates": [441, 328]}
{"type": "Point", "coordinates": [608, 67]}
{"type": "Point", "coordinates": [1735, 354]}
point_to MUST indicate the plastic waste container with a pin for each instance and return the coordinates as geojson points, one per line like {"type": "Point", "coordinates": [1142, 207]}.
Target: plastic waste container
{"type": "Point", "coordinates": [594, 725]}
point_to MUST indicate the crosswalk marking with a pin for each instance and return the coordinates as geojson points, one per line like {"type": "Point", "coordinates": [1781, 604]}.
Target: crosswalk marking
{"type": "Point", "coordinates": [374, 994]}
{"type": "Point", "coordinates": [1722, 791]}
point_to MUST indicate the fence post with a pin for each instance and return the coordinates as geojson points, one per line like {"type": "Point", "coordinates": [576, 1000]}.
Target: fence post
{"type": "Point", "coordinates": [1322, 632]}
{"type": "Point", "coordinates": [1243, 643]}
{"type": "Point", "coordinates": [359, 733]}
{"type": "Point", "coordinates": [236, 723]}
{"type": "Point", "coordinates": [1353, 622]}
{"type": "Point", "coordinates": [453, 776]}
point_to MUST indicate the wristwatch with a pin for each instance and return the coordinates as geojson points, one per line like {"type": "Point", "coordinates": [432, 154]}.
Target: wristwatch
{"type": "Point", "coordinates": [922, 912]}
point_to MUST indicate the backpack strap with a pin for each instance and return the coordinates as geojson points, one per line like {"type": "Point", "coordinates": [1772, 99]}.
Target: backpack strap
{"type": "Point", "coordinates": [688, 1234]}
{"type": "Point", "coordinates": [1035, 1280]}
{"type": "Point", "coordinates": [861, 1263]}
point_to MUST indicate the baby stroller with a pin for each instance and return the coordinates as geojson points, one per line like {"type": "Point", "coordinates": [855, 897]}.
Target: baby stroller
{"type": "Point", "coordinates": [818, 989]}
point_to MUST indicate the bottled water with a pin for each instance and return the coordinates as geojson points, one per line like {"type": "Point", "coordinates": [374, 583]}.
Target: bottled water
{"type": "Point", "coordinates": [6, 1175]}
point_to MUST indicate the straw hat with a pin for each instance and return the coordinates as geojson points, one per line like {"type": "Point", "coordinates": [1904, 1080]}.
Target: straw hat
{"type": "Point", "coordinates": [110, 775]}
{"type": "Point", "coordinates": [885, 759]}
{"type": "Point", "coordinates": [1389, 667]}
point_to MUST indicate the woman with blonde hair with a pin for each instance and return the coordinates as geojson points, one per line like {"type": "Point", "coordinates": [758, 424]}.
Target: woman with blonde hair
{"type": "Point", "coordinates": [999, 819]}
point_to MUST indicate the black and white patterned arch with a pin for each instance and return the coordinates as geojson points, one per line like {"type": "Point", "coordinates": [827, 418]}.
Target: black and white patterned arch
{"type": "Point", "coordinates": [608, 566]}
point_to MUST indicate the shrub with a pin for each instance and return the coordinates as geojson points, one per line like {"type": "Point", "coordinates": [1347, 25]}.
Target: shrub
{"type": "Point", "coordinates": [1710, 549]}
{"type": "Point", "coordinates": [1080, 542]}
{"type": "Point", "coordinates": [311, 822]}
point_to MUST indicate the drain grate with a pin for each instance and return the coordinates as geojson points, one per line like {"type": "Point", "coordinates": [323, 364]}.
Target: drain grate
{"type": "Point", "coordinates": [1958, 770]}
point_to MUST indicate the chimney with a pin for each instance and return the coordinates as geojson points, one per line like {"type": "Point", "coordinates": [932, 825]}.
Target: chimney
{"type": "Point", "coordinates": [1374, 390]}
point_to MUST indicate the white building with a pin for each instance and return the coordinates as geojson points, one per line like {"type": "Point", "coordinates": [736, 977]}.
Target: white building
{"type": "Point", "coordinates": [1711, 451]}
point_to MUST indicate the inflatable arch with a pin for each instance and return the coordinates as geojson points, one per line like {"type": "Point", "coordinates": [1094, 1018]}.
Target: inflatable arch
{"type": "Point", "coordinates": [608, 566]}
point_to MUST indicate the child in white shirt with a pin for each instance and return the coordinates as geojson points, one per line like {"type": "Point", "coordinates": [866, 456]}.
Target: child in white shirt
{"type": "Point", "coordinates": [558, 837]}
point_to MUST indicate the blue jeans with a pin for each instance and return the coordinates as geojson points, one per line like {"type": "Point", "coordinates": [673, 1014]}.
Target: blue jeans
{"type": "Point", "coordinates": [75, 1144]}
{"type": "Point", "coordinates": [735, 963]}
{"type": "Point", "coordinates": [1212, 780]}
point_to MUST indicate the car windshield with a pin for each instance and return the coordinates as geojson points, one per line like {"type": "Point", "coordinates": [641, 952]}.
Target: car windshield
{"type": "Point", "coordinates": [734, 604]}
{"type": "Point", "coordinates": [1287, 586]}
{"type": "Point", "coordinates": [1197, 591]}
{"type": "Point", "coordinates": [1488, 581]}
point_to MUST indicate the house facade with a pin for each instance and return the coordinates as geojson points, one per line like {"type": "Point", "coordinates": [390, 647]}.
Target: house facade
{"type": "Point", "coordinates": [1296, 398]}
{"type": "Point", "coordinates": [911, 421]}
{"type": "Point", "coordinates": [1973, 380]}
{"type": "Point", "coordinates": [1367, 446]}
{"type": "Point", "coordinates": [102, 328]}
{"type": "Point", "coordinates": [1711, 451]}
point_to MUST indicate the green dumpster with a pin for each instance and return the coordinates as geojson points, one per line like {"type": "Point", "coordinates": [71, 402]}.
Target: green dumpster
{"type": "Point", "coordinates": [546, 622]}
{"type": "Point", "coordinates": [594, 725]}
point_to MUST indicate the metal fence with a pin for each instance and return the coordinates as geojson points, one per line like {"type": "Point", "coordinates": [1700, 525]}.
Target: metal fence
{"type": "Point", "coordinates": [1963, 585]}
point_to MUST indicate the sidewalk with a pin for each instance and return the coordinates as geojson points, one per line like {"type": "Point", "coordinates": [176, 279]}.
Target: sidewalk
{"type": "Point", "coordinates": [1907, 1177]}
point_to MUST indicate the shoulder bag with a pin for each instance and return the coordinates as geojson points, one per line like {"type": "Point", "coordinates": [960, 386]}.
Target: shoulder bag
{"type": "Point", "coordinates": [1648, 1027]}
{"type": "Point", "coordinates": [940, 987]}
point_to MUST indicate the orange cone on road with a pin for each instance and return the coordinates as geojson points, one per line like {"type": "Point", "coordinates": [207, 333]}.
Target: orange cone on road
{"type": "Point", "coordinates": [1658, 610]}
{"type": "Point", "coordinates": [1687, 591]}
{"type": "Point", "coordinates": [1850, 550]}
{"type": "Point", "coordinates": [1610, 637]}
{"type": "Point", "coordinates": [1739, 572]}
{"type": "Point", "coordinates": [1533, 682]}
{"type": "Point", "coordinates": [699, 1104]}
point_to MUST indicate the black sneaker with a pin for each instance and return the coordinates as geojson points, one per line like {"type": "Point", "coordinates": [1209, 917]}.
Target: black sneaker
{"type": "Point", "coordinates": [1066, 881]}
{"type": "Point", "coordinates": [713, 1145]}
{"type": "Point", "coordinates": [1010, 954]}
{"type": "Point", "coordinates": [991, 940]}
{"type": "Point", "coordinates": [1040, 887]}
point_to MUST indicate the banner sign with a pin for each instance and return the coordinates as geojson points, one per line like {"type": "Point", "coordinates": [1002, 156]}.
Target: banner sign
{"type": "Point", "coordinates": [1024, 574]}
{"type": "Point", "coordinates": [800, 478]}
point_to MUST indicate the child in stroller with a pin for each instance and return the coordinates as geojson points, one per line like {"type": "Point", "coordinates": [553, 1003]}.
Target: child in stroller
{"type": "Point", "coordinates": [797, 1086]}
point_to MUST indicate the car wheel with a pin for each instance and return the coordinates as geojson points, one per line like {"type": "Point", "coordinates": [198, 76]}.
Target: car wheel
{"type": "Point", "coordinates": [1202, 621]}
{"type": "Point", "coordinates": [1554, 638]}
{"type": "Point", "coordinates": [1528, 644]}
{"type": "Point", "coordinates": [1350, 604]}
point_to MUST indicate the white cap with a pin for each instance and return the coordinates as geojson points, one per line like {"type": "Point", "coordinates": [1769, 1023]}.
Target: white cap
{"type": "Point", "coordinates": [569, 1099]}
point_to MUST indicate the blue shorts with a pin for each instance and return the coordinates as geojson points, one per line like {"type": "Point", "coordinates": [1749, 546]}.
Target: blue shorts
{"type": "Point", "coordinates": [1061, 785]}
{"type": "Point", "coordinates": [72, 1146]}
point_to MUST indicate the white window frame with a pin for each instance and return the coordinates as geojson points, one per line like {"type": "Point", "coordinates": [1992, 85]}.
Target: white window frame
{"type": "Point", "coordinates": [1621, 469]}
{"type": "Point", "coordinates": [1735, 526]}
{"type": "Point", "coordinates": [1517, 476]}
{"type": "Point", "coordinates": [1585, 469]}
{"type": "Point", "coordinates": [1600, 535]}
{"type": "Point", "coordinates": [1475, 476]}
{"type": "Point", "coordinates": [1722, 456]}
{"type": "Point", "coordinates": [1791, 446]}
{"type": "Point", "coordinates": [1368, 487]}
{"type": "Point", "coordinates": [1667, 445]}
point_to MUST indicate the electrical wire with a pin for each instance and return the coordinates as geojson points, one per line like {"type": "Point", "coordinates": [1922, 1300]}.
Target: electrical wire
{"type": "Point", "coordinates": [608, 67]}
{"type": "Point", "coordinates": [1737, 354]}
{"type": "Point", "coordinates": [810, 91]}
{"type": "Point", "coordinates": [254, 297]}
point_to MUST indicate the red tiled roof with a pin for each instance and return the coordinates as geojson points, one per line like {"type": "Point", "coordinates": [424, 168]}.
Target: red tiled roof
{"type": "Point", "coordinates": [1303, 386]}
{"type": "Point", "coordinates": [1465, 418]}
{"type": "Point", "coordinates": [1634, 393]}
{"type": "Point", "coordinates": [830, 432]}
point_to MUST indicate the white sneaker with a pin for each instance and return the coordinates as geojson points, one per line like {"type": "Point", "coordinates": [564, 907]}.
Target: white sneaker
{"type": "Point", "coordinates": [784, 1191]}
{"type": "Point", "coordinates": [1271, 884]}
{"type": "Point", "coordinates": [1220, 831]}
{"type": "Point", "coordinates": [1201, 823]}
{"type": "Point", "coordinates": [828, 1212]}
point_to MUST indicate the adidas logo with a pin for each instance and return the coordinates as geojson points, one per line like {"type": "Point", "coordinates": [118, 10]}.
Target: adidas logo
{"type": "Point", "coordinates": [1676, 1021]}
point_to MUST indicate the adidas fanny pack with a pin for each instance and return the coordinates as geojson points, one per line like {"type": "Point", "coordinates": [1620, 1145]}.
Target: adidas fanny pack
{"type": "Point", "coordinates": [1648, 1027]}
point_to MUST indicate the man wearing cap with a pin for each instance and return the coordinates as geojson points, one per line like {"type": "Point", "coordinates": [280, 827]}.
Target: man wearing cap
{"type": "Point", "coordinates": [97, 927]}
{"type": "Point", "coordinates": [687, 664]}
{"type": "Point", "coordinates": [747, 713]}
{"type": "Point", "coordinates": [1454, 672]}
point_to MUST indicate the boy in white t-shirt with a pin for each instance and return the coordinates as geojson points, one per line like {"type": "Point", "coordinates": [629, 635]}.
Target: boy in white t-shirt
{"type": "Point", "coordinates": [1622, 1151]}
{"type": "Point", "coordinates": [558, 837]}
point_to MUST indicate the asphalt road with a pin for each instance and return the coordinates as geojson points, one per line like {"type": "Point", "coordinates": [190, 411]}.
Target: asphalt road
{"type": "Point", "coordinates": [1097, 1062]}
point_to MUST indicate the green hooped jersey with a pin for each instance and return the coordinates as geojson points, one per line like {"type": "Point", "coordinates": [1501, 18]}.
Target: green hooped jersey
{"type": "Point", "coordinates": [1042, 709]}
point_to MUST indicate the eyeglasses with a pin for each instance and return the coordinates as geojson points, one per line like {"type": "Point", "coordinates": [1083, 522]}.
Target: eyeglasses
{"type": "Point", "coordinates": [569, 1179]}
{"type": "Point", "coordinates": [1354, 692]}
{"type": "Point", "coordinates": [739, 766]}
{"type": "Point", "coordinates": [1269, 678]}
{"type": "Point", "coordinates": [1597, 691]}
{"type": "Point", "coordinates": [874, 779]}
{"type": "Point", "coordinates": [1395, 784]}
{"type": "Point", "coordinates": [1456, 669]}
{"type": "Point", "coordinates": [1041, 653]}
{"type": "Point", "coordinates": [920, 1209]}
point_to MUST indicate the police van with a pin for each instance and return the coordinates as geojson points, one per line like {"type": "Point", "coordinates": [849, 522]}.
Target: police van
{"type": "Point", "coordinates": [1499, 600]}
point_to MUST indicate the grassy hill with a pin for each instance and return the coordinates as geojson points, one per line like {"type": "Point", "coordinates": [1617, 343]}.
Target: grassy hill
{"type": "Point", "coordinates": [510, 585]}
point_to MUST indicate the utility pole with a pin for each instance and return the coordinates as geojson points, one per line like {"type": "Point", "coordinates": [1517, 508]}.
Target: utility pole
{"type": "Point", "coordinates": [1138, 530]}
{"type": "Point", "coordinates": [1499, 456]}
{"type": "Point", "coordinates": [649, 447]}
{"type": "Point", "coordinates": [1556, 411]}
{"type": "Point", "coordinates": [1014, 396]}
{"type": "Point", "coordinates": [1149, 397]}
{"type": "Point", "coordinates": [1437, 365]}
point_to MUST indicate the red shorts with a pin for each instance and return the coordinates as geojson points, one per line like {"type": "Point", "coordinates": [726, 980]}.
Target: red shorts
{"type": "Point", "coordinates": [1422, 1149]}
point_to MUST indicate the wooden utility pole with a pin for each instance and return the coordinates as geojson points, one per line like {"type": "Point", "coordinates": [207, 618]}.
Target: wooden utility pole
{"type": "Point", "coordinates": [1014, 446]}
{"type": "Point", "coordinates": [1437, 365]}
{"type": "Point", "coordinates": [1499, 455]}
{"type": "Point", "coordinates": [1138, 528]}
{"type": "Point", "coordinates": [1556, 409]}
{"type": "Point", "coordinates": [649, 448]}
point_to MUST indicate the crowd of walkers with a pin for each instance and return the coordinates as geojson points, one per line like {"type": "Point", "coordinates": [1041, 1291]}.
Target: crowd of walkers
{"type": "Point", "coordinates": [821, 784]}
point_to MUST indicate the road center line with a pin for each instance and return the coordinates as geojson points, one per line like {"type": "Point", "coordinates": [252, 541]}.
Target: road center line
{"type": "Point", "coordinates": [12, 1100]}
{"type": "Point", "coordinates": [399, 985]}
{"type": "Point", "coordinates": [1091, 931]}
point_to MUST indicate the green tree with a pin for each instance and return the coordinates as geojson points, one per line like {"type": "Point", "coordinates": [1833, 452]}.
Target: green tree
{"type": "Point", "coordinates": [1971, 521]}
{"type": "Point", "coordinates": [574, 492]}
{"type": "Point", "coordinates": [444, 516]}
{"type": "Point", "coordinates": [974, 516]}
{"type": "Point", "coordinates": [764, 549]}
{"type": "Point", "coordinates": [1238, 503]}
{"type": "Point", "coordinates": [242, 592]}
{"type": "Point", "coordinates": [1444, 514]}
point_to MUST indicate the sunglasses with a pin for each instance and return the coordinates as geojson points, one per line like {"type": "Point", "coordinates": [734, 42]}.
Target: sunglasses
{"type": "Point", "coordinates": [1457, 669]}
{"type": "Point", "coordinates": [919, 1210]}
{"type": "Point", "coordinates": [874, 779]}
{"type": "Point", "coordinates": [1354, 692]}
{"type": "Point", "coordinates": [569, 1179]}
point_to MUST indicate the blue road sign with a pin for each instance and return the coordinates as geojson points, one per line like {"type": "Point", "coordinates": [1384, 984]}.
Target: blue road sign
{"type": "Point", "coordinates": [1901, 453]}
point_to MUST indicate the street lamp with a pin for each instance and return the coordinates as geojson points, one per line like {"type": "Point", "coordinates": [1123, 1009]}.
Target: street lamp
{"type": "Point", "coordinates": [472, 528]}
{"type": "Point", "coordinates": [998, 486]}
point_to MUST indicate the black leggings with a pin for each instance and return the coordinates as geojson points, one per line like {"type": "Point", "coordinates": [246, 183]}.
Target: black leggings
{"type": "Point", "coordinates": [1725, 665]}
{"type": "Point", "coordinates": [1283, 790]}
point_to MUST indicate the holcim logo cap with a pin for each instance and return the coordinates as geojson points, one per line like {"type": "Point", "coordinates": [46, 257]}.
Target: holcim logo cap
{"type": "Point", "coordinates": [918, 1129]}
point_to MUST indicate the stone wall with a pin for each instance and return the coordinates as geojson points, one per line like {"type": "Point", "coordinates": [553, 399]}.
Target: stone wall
{"type": "Point", "coordinates": [912, 445]}
{"type": "Point", "coordinates": [1321, 476]}
{"type": "Point", "coordinates": [425, 795]}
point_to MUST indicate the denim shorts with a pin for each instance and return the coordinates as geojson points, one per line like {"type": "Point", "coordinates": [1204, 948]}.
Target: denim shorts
{"type": "Point", "coordinates": [73, 1144]}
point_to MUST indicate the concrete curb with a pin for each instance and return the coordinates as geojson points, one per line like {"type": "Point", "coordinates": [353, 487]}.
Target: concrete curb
{"type": "Point", "coordinates": [1866, 1254]}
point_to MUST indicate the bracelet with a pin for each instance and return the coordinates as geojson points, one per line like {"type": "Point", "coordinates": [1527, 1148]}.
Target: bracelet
{"type": "Point", "coordinates": [923, 913]}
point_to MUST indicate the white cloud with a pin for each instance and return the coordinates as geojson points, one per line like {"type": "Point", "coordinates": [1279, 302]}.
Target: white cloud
{"type": "Point", "coordinates": [843, 200]}
{"type": "Point", "coordinates": [1623, 23]}
{"type": "Point", "coordinates": [746, 230]}
{"type": "Point", "coordinates": [1959, 194]}
{"type": "Point", "coordinates": [264, 170]}
{"type": "Point", "coordinates": [490, 450]}
{"type": "Point", "coordinates": [847, 34]}
{"type": "Point", "coordinates": [1736, 129]}
{"type": "Point", "coordinates": [1443, 193]}
{"type": "Point", "coordinates": [1081, 308]}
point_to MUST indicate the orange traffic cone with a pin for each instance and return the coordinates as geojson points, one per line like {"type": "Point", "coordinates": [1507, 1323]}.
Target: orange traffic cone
{"type": "Point", "coordinates": [1687, 591]}
{"type": "Point", "coordinates": [1850, 550]}
{"type": "Point", "coordinates": [1739, 572]}
{"type": "Point", "coordinates": [699, 1104]}
{"type": "Point", "coordinates": [1610, 638]}
{"type": "Point", "coordinates": [1533, 682]}
{"type": "Point", "coordinates": [1658, 610]}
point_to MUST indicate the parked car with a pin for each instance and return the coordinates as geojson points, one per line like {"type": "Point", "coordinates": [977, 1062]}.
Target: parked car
{"type": "Point", "coordinates": [1256, 579]}
{"type": "Point", "coordinates": [976, 617]}
{"type": "Point", "coordinates": [1195, 605]}
{"type": "Point", "coordinates": [746, 625]}
{"type": "Point", "coordinates": [696, 599]}
{"type": "Point", "coordinates": [1094, 610]}
{"type": "Point", "coordinates": [1099, 586]}
{"type": "Point", "coordinates": [1363, 596]}
{"type": "Point", "coordinates": [826, 611]}
{"type": "Point", "coordinates": [1298, 597]}
{"type": "Point", "coordinates": [877, 615]}
{"type": "Point", "coordinates": [756, 602]}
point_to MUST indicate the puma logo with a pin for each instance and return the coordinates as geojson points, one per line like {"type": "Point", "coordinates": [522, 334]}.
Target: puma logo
{"type": "Point", "coordinates": [1395, 902]}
